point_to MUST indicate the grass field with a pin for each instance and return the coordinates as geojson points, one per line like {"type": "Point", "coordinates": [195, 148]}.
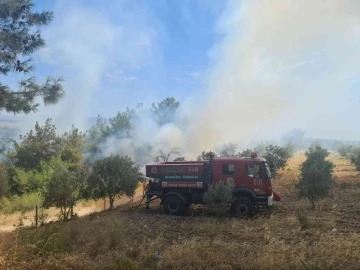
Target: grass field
{"type": "Point", "coordinates": [290, 236]}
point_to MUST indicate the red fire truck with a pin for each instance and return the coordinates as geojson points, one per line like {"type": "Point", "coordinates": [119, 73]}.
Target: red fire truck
{"type": "Point", "coordinates": [180, 184]}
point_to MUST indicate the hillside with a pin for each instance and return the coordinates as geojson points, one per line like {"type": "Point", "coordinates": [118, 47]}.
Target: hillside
{"type": "Point", "coordinates": [291, 236]}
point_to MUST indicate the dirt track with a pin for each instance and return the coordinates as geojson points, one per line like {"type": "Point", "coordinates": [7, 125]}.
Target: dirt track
{"type": "Point", "coordinates": [8, 222]}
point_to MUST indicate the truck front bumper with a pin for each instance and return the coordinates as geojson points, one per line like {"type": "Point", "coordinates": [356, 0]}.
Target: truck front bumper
{"type": "Point", "coordinates": [265, 201]}
{"type": "Point", "coordinates": [270, 200]}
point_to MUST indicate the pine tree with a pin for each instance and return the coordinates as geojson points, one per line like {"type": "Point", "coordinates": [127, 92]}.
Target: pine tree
{"type": "Point", "coordinates": [19, 38]}
{"type": "Point", "coordinates": [164, 112]}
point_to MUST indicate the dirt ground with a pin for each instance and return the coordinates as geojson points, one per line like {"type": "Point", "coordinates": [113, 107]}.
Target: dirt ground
{"type": "Point", "coordinates": [9, 223]}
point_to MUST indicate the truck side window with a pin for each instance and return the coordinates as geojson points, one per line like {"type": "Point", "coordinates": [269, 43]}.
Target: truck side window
{"type": "Point", "coordinates": [252, 170]}
{"type": "Point", "coordinates": [264, 173]}
{"type": "Point", "coordinates": [228, 169]}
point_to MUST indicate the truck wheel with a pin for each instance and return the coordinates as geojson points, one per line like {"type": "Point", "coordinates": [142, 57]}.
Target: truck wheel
{"type": "Point", "coordinates": [173, 205]}
{"type": "Point", "coordinates": [243, 207]}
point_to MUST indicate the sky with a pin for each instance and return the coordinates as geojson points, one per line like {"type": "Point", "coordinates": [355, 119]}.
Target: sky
{"type": "Point", "coordinates": [130, 51]}
{"type": "Point", "coordinates": [241, 69]}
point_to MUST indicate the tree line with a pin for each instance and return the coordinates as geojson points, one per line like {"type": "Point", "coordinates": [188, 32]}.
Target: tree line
{"type": "Point", "coordinates": [64, 168]}
{"type": "Point", "coordinates": [351, 152]}
{"type": "Point", "coordinates": [52, 165]}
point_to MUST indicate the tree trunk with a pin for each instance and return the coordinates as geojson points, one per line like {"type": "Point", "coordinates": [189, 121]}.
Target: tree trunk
{"type": "Point", "coordinates": [313, 204]}
{"type": "Point", "coordinates": [111, 201]}
{"type": "Point", "coordinates": [65, 213]}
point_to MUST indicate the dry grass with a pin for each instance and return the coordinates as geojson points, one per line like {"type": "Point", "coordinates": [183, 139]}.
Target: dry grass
{"type": "Point", "coordinates": [8, 222]}
{"type": "Point", "coordinates": [291, 236]}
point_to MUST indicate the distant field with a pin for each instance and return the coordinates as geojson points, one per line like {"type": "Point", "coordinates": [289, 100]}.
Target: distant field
{"type": "Point", "coordinates": [291, 236]}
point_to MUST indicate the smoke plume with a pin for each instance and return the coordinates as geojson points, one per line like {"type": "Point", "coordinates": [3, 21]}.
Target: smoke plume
{"type": "Point", "coordinates": [281, 64]}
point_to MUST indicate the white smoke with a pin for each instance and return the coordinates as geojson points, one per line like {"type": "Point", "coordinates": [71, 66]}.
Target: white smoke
{"type": "Point", "coordinates": [280, 64]}
{"type": "Point", "coordinates": [146, 139]}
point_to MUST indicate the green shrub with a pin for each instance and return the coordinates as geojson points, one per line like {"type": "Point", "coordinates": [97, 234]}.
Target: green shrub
{"type": "Point", "coordinates": [345, 185]}
{"type": "Point", "coordinates": [355, 193]}
{"type": "Point", "coordinates": [277, 157]}
{"type": "Point", "coordinates": [4, 184]}
{"type": "Point", "coordinates": [24, 203]}
{"type": "Point", "coordinates": [220, 193]}
{"type": "Point", "coordinates": [354, 158]}
{"type": "Point", "coordinates": [303, 220]}
{"type": "Point", "coordinates": [316, 177]}
{"type": "Point", "coordinates": [345, 149]}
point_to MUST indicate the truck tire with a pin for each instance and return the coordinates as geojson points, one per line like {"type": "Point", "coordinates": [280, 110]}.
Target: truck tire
{"type": "Point", "coordinates": [173, 205]}
{"type": "Point", "coordinates": [243, 207]}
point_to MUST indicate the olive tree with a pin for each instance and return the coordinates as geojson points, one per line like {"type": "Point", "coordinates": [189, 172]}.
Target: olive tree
{"type": "Point", "coordinates": [114, 176]}
{"type": "Point", "coordinates": [354, 158]}
{"type": "Point", "coordinates": [65, 188]}
{"type": "Point", "coordinates": [4, 187]}
{"type": "Point", "coordinates": [316, 177]}
{"type": "Point", "coordinates": [277, 157]}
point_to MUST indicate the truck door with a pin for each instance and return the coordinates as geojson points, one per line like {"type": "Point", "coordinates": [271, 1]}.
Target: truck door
{"type": "Point", "coordinates": [259, 180]}
{"type": "Point", "coordinates": [228, 172]}
{"type": "Point", "coordinates": [234, 171]}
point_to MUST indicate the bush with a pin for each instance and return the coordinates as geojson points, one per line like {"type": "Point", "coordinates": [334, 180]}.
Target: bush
{"type": "Point", "coordinates": [345, 149]}
{"type": "Point", "coordinates": [316, 177]}
{"type": "Point", "coordinates": [220, 193]}
{"type": "Point", "coordinates": [354, 158]}
{"type": "Point", "coordinates": [277, 157]}
{"type": "Point", "coordinates": [290, 148]}
{"type": "Point", "coordinates": [345, 185]}
{"type": "Point", "coordinates": [65, 189]}
{"type": "Point", "coordinates": [303, 220]}
{"type": "Point", "coordinates": [4, 186]}
{"type": "Point", "coordinates": [24, 203]}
